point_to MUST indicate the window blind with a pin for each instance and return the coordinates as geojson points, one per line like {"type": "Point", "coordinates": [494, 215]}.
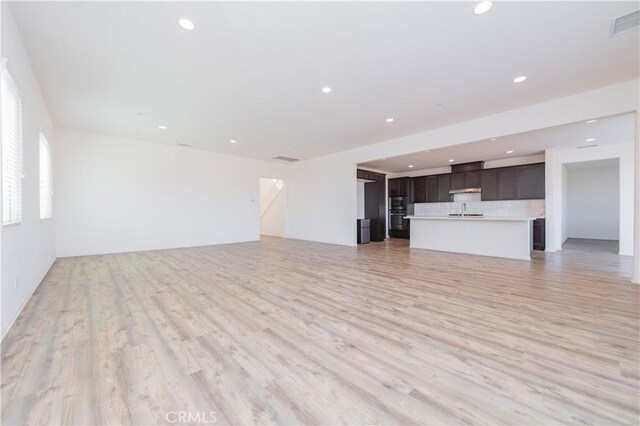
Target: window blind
{"type": "Point", "coordinates": [46, 179]}
{"type": "Point", "coordinates": [11, 151]}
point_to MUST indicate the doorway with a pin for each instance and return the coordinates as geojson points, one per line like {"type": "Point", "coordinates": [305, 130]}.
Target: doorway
{"type": "Point", "coordinates": [272, 207]}
{"type": "Point", "coordinates": [592, 206]}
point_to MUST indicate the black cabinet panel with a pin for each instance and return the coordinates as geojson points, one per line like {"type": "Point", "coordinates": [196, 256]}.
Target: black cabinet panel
{"type": "Point", "coordinates": [457, 181]}
{"type": "Point", "coordinates": [539, 237]}
{"type": "Point", "coordinates": [489, 185]}
{"type": "Point", "coordinates": [374, 209]}
{"type": "Point", "coordinates": [419, 191]}
{"type": "Point", "coordinates": [507, 184]}
{"type": "Point", "coordinates": [444, 185]}
{"type": "Point", "coordinates": [530, 182]}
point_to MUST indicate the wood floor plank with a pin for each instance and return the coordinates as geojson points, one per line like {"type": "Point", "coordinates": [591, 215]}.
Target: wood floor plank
{"type": "Point", "coordinates": [294, 332]}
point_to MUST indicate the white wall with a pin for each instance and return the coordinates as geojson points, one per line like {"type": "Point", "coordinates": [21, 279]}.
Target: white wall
{"type": "Point", "coordinates": [558, 159]}
{"type": "Point", "coordinates": [593, 203]}
{"type": "Point", "coordinates": [636, 238]}
{"type": "Point", "coordinates": [323, 191]}
{"type": "Point", "coordinates": [119, 195]}
{"type": "Point", "coordinates": [563, 204]}
{"type": "Point", "coordinates": [273, 207]}
{"type": "Point", "coordinates": [28, 249]}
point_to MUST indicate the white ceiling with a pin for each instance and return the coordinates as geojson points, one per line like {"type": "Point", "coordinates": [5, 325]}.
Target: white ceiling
{"type": "Point", "coordinates": [252, 71]}
{"type": "Point", "coordinates": [605, 131]}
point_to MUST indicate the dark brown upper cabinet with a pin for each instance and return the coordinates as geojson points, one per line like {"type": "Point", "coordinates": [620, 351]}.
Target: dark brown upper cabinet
{"type": "Point", "coordinates": [530, 182]}
{"type": "Point", "coordinates": [419, 189]}
{"type": "Point", "coordinates": [432, 189]}
{"type": "Point", "coordinates": [489, 185]}
{"type": "Point", "coordinates": [367, 175]}
{"type": "Point", "coordinates": [507, 183]}
{"type": "Point", "coordinates": [444, 185]}
{"type": "Point", "coordinates": [399, 187]}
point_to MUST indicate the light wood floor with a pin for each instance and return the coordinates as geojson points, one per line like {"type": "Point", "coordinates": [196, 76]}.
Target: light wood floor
{"type": "Point", "coordinates": [290, 332]}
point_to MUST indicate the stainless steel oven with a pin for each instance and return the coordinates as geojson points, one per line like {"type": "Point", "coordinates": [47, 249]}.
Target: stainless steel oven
{"type": "Point", "coordinates": [397, 220]}
{"type": "Point", "coordinates": [397, 212]}
{"type": "Point", "coordinates": [397, 203]}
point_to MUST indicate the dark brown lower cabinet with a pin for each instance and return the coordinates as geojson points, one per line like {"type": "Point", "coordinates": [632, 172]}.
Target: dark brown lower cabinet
{"type": "Point", "coordinates": [539, 238]}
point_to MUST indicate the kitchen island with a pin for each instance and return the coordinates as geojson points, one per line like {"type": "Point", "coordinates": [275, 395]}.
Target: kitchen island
{"type": "Point", "coordinates": [499, 236]}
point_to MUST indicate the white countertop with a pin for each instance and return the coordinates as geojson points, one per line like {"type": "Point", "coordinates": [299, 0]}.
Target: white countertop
{"type": "Point", "coordinates": [476, 218]}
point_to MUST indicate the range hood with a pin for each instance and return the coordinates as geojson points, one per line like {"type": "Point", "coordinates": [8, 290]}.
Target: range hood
{"type": "Point", "coordinates": [465, 191]}
{"type": "Point", "coordinates": [475, 166]}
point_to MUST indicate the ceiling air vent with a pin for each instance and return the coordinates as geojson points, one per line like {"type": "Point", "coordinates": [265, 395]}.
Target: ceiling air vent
{"type": "Point", "coordinates": [625, 23]}
{"type": "Point", "coordinates": [282, 158]}
{"type": "Point", "coordinates": [183, 144]}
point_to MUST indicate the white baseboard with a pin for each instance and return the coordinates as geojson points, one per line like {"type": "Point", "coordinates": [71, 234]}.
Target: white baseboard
{"type": "Point", "coordinates": [24, 303]}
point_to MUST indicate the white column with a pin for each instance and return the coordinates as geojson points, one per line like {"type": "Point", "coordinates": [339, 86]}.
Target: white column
{"type": "Point", "coordinates": [636, 227]}
{"type": "Point", "coordinates": [550, 201]}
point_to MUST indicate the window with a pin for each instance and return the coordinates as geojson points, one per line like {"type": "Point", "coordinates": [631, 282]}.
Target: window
{"type": "Point", "coordinates": [46, 180]}
{"type": "Point", "coordinates": [11, 151]}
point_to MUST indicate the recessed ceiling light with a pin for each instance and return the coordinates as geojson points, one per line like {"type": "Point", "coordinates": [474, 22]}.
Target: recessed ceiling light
{"type": "Point", "coordinates": [520, 79]}
{"type": "Point", "coordinates": [411, 166]}
{"type": "Point", "coordinates": [590, 140]}
{"type": "Point", "coordinates": [509, 152]}
{"type": "Point", "coordinates": [452, 160]}
{"type": "Point", "coordinates": [232, 141]}
{"type": "Point", "coordinates": [493, 139]}
{"type": "Point", "coordinates": [326, 89]}
{"type": "Point", "coordinates": [482, 7]}
{"type": "Point", "coordinates": [383, 159]}
{"type": "Point", "coordinates": [162, 127]}
{"type": "Point", "coordinates": [591, 121]}
{"type": "Point", "coordinates": [186, 24]}
{"type": "Point", "coordinates": [389, 120]}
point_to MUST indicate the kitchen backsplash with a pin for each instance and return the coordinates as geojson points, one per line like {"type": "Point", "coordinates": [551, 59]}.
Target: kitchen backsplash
{"type": "Point", "coordinates": [488, 208]}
